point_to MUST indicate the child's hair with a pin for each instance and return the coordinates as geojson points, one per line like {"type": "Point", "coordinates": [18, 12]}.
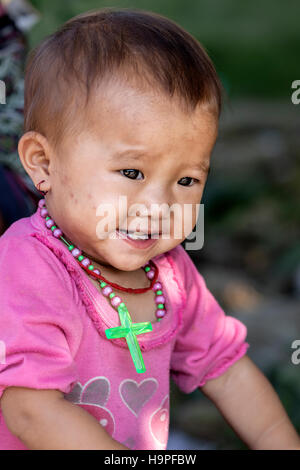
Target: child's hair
{"type": "Point", "coordinates": [100, 46]}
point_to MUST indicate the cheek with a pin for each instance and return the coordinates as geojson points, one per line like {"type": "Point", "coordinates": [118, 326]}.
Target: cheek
{"type": "Point", "coordinates": [64, 189]}
{"type": "Point", "coordinates": [184, 220]}
{"type": "Point", "coordinates": [110, 212]}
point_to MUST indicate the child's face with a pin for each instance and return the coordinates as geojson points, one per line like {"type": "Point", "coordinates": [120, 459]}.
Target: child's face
{"type": "Point", "coordinates": [85, 173]}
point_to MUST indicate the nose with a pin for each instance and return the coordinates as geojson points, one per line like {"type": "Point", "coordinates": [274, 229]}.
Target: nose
{"type": "Point", "coordinates": [154, 210]}
{"type": "Point", "coordinates": [155, 200]}
{"type": "Point", "coordinates": [153, 204]}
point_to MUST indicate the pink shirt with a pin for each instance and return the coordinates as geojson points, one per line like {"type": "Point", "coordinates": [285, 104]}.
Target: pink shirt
{"type": "Point", "coordinates": [52, 331]}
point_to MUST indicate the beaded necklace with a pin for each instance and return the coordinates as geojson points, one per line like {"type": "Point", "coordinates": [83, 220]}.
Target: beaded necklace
{"type": "Point", "coordinates": [127, 330]}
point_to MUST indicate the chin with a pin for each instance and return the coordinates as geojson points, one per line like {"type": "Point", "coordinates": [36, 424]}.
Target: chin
{"type": "Point", "coordinates": [128, 263]}
{"type": "Point", "coordinates": [128, 267]}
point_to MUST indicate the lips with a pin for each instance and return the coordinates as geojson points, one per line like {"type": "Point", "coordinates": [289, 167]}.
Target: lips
{"type": "Point", "coordinates": [137, 243]}
{"type": "Point", "coordinates": [140, 235]}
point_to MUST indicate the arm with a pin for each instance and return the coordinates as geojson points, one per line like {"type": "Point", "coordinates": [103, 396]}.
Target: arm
{"type": "Point", "coordinates": [44, 420]}
{"type": "Point", "coordinates": [250, 405]}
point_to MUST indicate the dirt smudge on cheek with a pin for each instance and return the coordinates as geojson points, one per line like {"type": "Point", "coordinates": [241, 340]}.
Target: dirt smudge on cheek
{"type": "Point", "coordinates": [65, 180]}
{"type": "Point", "coordinates": [74, 198]}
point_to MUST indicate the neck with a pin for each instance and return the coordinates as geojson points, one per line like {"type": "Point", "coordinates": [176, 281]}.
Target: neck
{"type": "Point", "coordinates": [132, 279]}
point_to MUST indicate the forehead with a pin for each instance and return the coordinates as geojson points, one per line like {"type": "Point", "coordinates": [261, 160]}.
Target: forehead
{"type": "Point", "coordinates": [124, 116]}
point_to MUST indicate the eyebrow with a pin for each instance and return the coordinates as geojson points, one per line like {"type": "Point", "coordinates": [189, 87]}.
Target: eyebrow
{"type": "Point", "coordinates": [134, 154]}
{"type": "Point", "coordinates": [137, 155]}
{"type": "Point", "coordinates": [203, 166]}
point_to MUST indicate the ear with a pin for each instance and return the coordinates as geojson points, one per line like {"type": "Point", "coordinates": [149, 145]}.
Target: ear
{"type": "Point", "coordinates": [34, 153]}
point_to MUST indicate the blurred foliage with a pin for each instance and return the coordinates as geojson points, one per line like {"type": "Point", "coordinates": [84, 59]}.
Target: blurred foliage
{"type": "Point", "coordinates": [254, 45]}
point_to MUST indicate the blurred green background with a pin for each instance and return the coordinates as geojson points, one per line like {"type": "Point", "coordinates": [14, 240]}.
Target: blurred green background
{"type": "Point", "coordinates": [251, 254]}
{"type": "Point", "coordinates": [255, 45]}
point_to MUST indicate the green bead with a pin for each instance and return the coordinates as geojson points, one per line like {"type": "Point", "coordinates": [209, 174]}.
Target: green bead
{"type": "Point", "coordinates": [160, 306]}
{"type": "Point", "coordinates": [112, 295]}
{"type": "Point", "coordinates": [147, 268]}
{"type": "Point", "coordinates": [80, 258]}
{"type": "Point", "coordinates": [71, 247]}
{"type": "Point", "coordinates": [102, 284]}
{"type": "Point", "coordinates": [122, 304]}
{"type": "Point", "coordinates": [47, 218]}
{"type": "Point", "coordinates": [53, 227]}
{"type": "Point", "coordinates": [91, 267]}
{"type": "Point", "coordinates": [159, 319]}
{"type": "Point", "coordinates": [158, 292]}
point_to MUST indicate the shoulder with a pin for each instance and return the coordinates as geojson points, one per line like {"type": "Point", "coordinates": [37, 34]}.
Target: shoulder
{"type": "Point", "coordinates": [28, 265]}
{"type": "Point", "coordinates": [189, 285]}
{"type": "Point", "coordinates": [14, 245]}
{"type": "Point", "coordinates": [37, 291]}
{"type": "Point", "coordinates": [184, 268]}
{"type": "Point", "coordinates": [26, 251]}
{"type": "Point", "coordinates": [177, 257]}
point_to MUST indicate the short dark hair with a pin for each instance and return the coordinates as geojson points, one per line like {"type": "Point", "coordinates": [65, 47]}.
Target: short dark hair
{"type": "Point", "coordinates": [99, 44]}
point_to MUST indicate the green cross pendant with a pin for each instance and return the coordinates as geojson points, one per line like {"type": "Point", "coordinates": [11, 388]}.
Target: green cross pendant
{"type": "Point", "coordinates": [129, 330]}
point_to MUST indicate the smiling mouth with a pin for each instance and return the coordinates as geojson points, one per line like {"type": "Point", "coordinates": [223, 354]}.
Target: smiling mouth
{"type": "Point", "coordinates": [138, 235]}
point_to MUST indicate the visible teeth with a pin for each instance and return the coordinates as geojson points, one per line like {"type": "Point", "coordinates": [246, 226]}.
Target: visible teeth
{"type": "Point", "coordinates": [137, 237]}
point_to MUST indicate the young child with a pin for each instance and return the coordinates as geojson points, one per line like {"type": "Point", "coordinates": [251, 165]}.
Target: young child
{"type": "Point", "coordinates": [119, 103]}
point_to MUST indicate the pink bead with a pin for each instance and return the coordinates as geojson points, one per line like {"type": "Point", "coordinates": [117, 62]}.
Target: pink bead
{"type": "Point", "coordinates": [44, 212]}
{"type": "Point", "coordinates": [159, 299]}
{"type": "Point", "coordinates": [76, 252]}
{"type": "Point", "coordinates": [106, 291]}
{"type": "Point", "coordinates": [49, 223]}
{"type": "Point", "coordinates": [157, 286]}
{"type": "Point", "coordinates": [57, 233]}
{"type": "Point", "coordinates": [160, 313]}
{"type": "Point", "coordinates": [41, 203]}
{"type": "Point", "coordinates": [85, 262]}
{"type": "Point", "coordinates": [115, 301]}
{"type": "Point", "coordinates": [150, 274]}
{"type": "Point", "coordinates": [96, 271]}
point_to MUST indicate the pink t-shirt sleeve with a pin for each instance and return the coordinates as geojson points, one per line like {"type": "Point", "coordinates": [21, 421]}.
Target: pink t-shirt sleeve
{"type": "Point", "coordinates": [39, 331]}
{"type": "Point", "coordinates": [209, 341]}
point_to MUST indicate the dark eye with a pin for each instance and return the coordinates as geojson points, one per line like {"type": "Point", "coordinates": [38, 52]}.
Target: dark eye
{"type": "Point", "coordinates": [131, 174]}
{"type": "Point", "coordinates": [188, 180]}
